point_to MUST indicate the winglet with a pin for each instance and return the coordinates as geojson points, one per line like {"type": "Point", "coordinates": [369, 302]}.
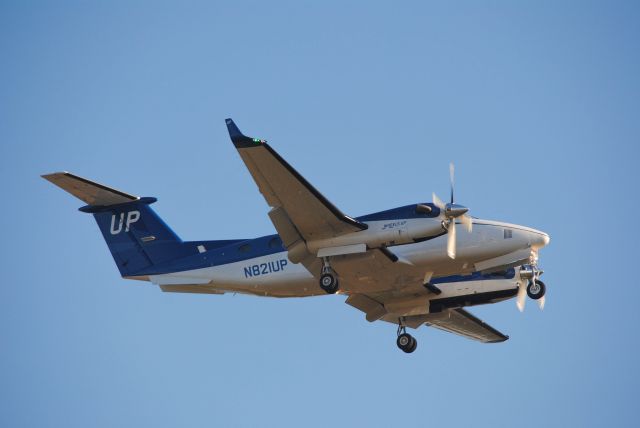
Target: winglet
{"type": "Point", "coordinates": [240, 140]}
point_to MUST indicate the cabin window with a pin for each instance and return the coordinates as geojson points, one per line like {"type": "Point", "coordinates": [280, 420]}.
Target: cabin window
{"type": "Point", "coordinates": [275, 243]}
{"type": "Point", "coordinates": [508, 233]}
{"type": "Point", "coordinates": [244, 248]}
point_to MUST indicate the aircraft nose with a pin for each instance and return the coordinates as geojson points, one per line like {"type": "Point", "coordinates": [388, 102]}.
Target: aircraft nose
{"type": "Point", "coordinates": [539, 239]}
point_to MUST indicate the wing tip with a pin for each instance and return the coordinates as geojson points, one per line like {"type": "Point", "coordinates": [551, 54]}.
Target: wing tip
{"type": "Point", "coordinates": [52, 175]}
{"type": "Point", "coordinates": [239, 140]}
{"type": "Point", "coordinates": [504, 338]}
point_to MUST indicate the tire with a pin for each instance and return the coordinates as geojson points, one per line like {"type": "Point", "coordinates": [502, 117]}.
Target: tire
{"type": "Point", "coordinates": [329, 283]}
{"type": "Point", "coordinates": [414, 345]}
{"type": "Point", "coordinates": [407, 343]}
{"type": "Point", "coordinates": [536, 289]}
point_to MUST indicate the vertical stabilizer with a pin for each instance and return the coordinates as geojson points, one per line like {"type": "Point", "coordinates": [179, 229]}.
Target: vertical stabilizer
{"type": "Point", "coordinates": [137, 237]}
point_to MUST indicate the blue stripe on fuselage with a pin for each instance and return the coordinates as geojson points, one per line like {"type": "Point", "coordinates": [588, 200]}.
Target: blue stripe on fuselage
{"type": "Point", "coordinates": [238, 251]}
{"type": "Point", "coordinates": [248, 249]}
{"type": "Point", "coordinates": [405, 212]}
{"type": "Point", "coordinates": [475, 276]}
{"type": "Point", "coordinates": [260, 247]}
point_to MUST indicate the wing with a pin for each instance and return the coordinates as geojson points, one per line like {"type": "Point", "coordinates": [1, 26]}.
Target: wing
{"type": "Point", "coordinates": [285, 190]}
{"type": "Point", "coordinates": [456, 321]}
{"type": "Point", "coordinates": [378, 273]}
{"type": "Point", "coordinates": [385, 306]}
{"type": "Point", "coordinates": [463, 323]}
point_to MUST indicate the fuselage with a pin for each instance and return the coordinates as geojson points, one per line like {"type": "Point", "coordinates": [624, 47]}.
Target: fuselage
{"type": "Point", "coordinates": [261, 266]}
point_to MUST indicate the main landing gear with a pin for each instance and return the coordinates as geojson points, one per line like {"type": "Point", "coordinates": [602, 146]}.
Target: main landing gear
{"type": "Point", "coordinates": [328, 279]}
{"type": "Point", "coordinates": [405, 341]}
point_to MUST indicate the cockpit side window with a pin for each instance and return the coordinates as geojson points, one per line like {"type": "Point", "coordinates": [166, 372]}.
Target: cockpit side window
{"type": "Point", "coordinates": [427, 210]}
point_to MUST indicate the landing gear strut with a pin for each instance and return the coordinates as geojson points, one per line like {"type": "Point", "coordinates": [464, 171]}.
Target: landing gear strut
{"type": "Point", "coordinates": [535, 287]}
{"type": "Point", "coordinates": [328, 279]}
{"type": "Point", "coordinates": [405, 341]}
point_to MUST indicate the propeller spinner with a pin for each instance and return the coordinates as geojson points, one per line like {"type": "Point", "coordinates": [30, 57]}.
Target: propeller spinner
{"type": "Point", "coordinates": [451, 212]}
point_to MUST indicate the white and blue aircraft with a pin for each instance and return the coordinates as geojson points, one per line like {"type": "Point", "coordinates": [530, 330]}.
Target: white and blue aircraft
{"type": "Point", "coordinates": [406, 265]}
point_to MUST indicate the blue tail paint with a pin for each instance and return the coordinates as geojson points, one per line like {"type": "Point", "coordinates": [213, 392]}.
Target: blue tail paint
{"type": "Point", "coordinates": [137, 237]}
{"type": "Point", "coordinates": [140, 242]}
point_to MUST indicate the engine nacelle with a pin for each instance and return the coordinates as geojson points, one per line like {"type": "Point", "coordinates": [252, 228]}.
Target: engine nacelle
{"type": "Point", "coordinates": [384, 233]}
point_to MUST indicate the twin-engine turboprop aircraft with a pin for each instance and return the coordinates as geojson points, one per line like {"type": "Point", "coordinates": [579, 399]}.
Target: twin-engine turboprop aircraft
{"type": "Point", "coordinates": [408, 265]}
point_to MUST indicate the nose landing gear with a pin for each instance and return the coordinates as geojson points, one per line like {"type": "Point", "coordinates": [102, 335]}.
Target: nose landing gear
{"type": "Point", "coordinates": [405, 341]}
{"type": "Point", "coordinates": [533, 287]}
{"type": "Point", "coordinates": [536, 289]}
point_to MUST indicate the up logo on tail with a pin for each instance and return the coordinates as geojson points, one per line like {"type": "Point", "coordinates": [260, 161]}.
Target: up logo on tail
{"type": "Point", "coordinates": [132, 217]}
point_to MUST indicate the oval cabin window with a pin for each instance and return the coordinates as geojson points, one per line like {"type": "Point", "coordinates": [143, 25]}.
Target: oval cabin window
{"type": "Point", "coordinates": [275, 243]}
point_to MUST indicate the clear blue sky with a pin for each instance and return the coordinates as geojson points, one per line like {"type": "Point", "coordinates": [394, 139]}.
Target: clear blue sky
{"type": "Point", "coordinates": [537, 103]}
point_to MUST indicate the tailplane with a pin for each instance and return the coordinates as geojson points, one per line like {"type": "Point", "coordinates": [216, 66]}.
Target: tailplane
{"type": "Point", "coordinates": [137, 237]}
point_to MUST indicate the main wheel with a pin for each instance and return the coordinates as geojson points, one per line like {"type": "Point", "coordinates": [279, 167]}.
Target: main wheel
{"type": "Point", "coordinates": [329, 283]}
{"type": "Point", "coordinates": [414, 345]}
{"type": "Point", "coordinates": [536, 289]}
{"type": "Point", "coordinates": [407, 343]}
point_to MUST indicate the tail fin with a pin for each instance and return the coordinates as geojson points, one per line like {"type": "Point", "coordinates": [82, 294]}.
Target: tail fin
{"type": "Point", "coordinates": [137, 238]}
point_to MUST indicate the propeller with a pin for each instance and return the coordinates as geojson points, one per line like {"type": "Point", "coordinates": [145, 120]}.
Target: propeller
{"type": "Point", "coordinates": [522, 297]}
{"type": "Point", "coordinates": [451, 212]}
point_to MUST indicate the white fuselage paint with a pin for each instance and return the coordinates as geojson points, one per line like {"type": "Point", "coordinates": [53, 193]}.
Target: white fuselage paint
{"type": "Point", "coordinates": [274, 275]}
{"type": "Point", "coordinates": [384, 232]}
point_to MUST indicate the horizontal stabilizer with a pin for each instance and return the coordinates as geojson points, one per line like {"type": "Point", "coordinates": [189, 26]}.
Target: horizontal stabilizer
{"type": "Point", "coordinates": [88, 191]}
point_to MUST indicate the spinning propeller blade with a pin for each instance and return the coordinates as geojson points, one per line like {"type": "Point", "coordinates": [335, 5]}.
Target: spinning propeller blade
{"type": "Point", "coordinates": [451, 180]}
{"type": "Point", "coordinates": [541, 303]}
{"type": "Point", "coordinates": [438, 202]}
{"type": "Point", "coordinates": [522, 297]}
{"type": "Point", "coordinates": [466, 220]}
{"type": "Point", "coordinates": [451, 240]}
{"type": "Point", "coordinates": [451, 211]}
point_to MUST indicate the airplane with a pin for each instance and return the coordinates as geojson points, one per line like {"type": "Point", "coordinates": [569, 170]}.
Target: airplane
{"type": "Point", "coordinates": [407, 265]}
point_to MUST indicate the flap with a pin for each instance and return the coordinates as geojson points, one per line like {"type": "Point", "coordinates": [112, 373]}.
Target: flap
{"type": "Point", "coordinates": [376, 270]}
{"type": "Point", "coordinates": [190, 288]}
{"type": "Point", "coordinates": [373, 309]}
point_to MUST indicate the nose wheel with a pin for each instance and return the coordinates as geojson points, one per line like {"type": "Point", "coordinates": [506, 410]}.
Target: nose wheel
{"type": "Point", "coordinates": [536, 289]}
{"type": "Point", "coordinates": [533, 287]}
{"type": "Point", "coordinates": [328, 280]}
{"type": "Point", "coordinates": [405, 341]}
